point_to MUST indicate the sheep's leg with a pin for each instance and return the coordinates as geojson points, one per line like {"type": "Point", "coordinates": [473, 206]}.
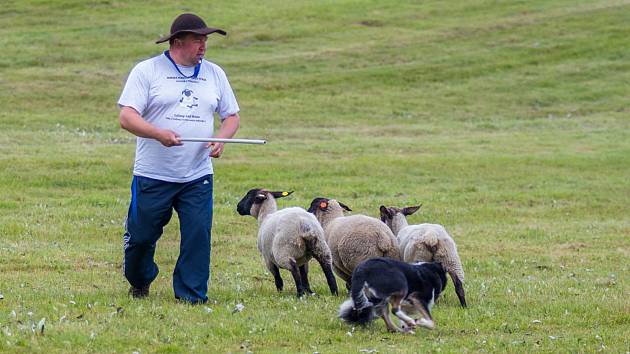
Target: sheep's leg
{"type": "Point", "coordinates": [276, 276]}
{"type": "Point", "coordinates": [396, 301]}
{"type": "Point", "coordinates": [295, 272]}
{"type": "Point", "coordinates": [459, 288]}
{"type": "Point", "coordinates": [384, 313]}
{"type": "Point", "coordinates": [343, 276]}
{"type": "Point", "coordinates": [426, 320]}
{"type": "Point", "coordinates": [330, 277]}
{"type": "Point", "coordinates": [323, 256]}
{"type": "Point", "coordinates": [304, 277]}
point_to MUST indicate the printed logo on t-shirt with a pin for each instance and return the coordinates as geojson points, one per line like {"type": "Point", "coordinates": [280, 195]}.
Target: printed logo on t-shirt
{"type": "Point", "coordinates": [188, 100]}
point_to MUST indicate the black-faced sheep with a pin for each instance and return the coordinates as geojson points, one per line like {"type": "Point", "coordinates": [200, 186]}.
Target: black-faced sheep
{"type": "Point", "coordinates": [352, 239]}
{"type": "Point", "coordinates": [426, 243]}
{"type": "Point", "coordinates": [288, 239]}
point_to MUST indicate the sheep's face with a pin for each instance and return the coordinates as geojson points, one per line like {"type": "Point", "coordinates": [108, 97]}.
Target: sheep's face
{"type": "Point", "coordinates": [389, 215]}
{"type": "Point", "coordinates": [250, 204]}
{"type": "Point", "coordinates": [253, 196]}
{"type": "Point", "coordinates": [320, 206]}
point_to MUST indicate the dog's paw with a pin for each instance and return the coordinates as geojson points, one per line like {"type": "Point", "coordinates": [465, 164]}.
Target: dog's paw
{"type": "Point", "coordinates": [423, 322]}
{"type": "Point", "coordinates": [407, 329]}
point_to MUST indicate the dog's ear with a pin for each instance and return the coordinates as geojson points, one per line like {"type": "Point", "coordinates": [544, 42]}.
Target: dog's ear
{"type": "Point", "coordinates": [437, 267]}
{"type": "Point", "coordinates": [347, 208]}
{"type": "Point", "coordinates": [410, 210]}
{"type": "Point", "coordinates": [280, 194]}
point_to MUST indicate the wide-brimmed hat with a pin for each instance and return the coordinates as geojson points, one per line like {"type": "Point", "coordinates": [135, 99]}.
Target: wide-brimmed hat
{"type": "Point", "coordinates": [189, 23]}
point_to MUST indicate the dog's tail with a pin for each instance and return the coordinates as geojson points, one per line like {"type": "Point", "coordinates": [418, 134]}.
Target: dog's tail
{"type": "Point", "coordinates": [358, 309]}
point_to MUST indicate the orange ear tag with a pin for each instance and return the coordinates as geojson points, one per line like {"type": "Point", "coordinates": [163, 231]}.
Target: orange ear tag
{"type": "Point", "coordinates": [323, 205]}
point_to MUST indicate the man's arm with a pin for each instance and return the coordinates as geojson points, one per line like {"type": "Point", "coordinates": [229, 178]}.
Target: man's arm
{"type": "Point", "coordinates": [133, 122]}
{"type": "Point", "coordinates": [228, 128]}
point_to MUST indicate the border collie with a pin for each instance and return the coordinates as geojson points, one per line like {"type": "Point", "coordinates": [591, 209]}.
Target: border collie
{"type": "Point", "coordinates": [380, 282]}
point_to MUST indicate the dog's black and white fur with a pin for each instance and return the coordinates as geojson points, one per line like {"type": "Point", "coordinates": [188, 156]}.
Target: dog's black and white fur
{"type": "Point", "coordinates": [379, 282]}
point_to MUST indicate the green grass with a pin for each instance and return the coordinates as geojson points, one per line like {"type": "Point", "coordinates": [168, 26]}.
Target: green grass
{"type": "Point", "coordinates": [508, 120]}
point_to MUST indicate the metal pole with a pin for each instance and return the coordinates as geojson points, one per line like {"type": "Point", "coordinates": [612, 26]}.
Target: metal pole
{"type": "Point", "coordinates": [220, 140]}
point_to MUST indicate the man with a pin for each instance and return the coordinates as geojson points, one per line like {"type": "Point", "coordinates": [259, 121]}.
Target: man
{"type": "Point", "coordinates": [165, 98]}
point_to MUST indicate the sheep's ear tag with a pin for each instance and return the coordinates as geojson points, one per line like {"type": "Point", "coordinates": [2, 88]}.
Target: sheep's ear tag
{"type": "Point", "coordinates": [323, 205]}
{"type": "Point", "coordinates": [284, 194]}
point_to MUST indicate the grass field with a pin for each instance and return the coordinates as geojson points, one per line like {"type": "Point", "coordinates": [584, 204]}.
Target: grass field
{"type": "Point", "coordinates": [508, 120]}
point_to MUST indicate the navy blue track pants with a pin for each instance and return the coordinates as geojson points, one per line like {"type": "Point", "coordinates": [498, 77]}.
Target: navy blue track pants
{"type": "Point", "coordinates": [151, 208]}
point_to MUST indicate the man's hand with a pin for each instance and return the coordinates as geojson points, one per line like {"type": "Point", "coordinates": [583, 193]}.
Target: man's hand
{"type": "Point", "coordinates": [217, 149]}
{"type": "Point", "coordinates": [229, 126]}
{"type": "Point", "coordinates": [168, 138]}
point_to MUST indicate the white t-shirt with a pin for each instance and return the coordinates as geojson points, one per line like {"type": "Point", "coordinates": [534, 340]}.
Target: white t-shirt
{"type": "Point", "coordinates": [167, 100]}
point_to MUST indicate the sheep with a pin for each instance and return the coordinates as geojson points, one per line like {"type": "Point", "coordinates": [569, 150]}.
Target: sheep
{"type": "Point", "coordinates": [352, 239]}
{"type": "Point", "coordinates": [426, 243]}
{"type": "Point", "coordinates": [288, 239]}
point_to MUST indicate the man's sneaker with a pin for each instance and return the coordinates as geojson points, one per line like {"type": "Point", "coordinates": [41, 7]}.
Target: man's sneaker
{"type": "Point", "coordinates": [139, 292]}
